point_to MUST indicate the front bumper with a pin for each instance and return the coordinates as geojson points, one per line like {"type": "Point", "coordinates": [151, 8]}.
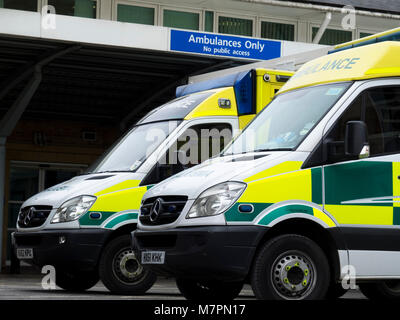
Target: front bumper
{"type": "Point", "coordinates": [215, 252]}
{"type": "Point", "coordinates": [80, 251]}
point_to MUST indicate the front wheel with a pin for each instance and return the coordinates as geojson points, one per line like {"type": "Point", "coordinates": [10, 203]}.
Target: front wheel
{"type": "Point", "coordinates": [290, 267]}
{"type": "Point", "coordinates": [120, 270]}
{"type": "Point", "coordinates": [75, 281]}
{"type": "Point", "coordinates": [384, 290]}
{"type": "Point", "coordinates": [208, 290]}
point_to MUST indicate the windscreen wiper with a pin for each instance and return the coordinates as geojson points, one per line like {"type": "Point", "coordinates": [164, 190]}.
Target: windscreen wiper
{"type": "Point", "coordinates": [108, 171]}
{"type": "Point", "coordinates": [258, 150]}
{"type": "Point", "coordinates": [276, 149]}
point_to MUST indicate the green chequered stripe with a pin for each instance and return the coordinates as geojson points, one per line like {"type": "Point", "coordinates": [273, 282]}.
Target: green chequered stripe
{"type": "Point", "coordinates": [346, 182]}
{"type": "Point", "coordinates": [295, 208]}
{"type": "Point", "coordinates": [396, 216]}
{"type": "Point", "coordinates": [234, 215]}
{"type": "Point", "coordinates": [316, 184]}
{"type": "Point", "coordinates": [85, 220]}
{"type": "Point", "coordinates": [121, 218]}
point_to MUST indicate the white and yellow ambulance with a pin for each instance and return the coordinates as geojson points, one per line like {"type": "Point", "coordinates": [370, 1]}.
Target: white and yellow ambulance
{"type": "Point", "coordinates": [82, 226]}
{"type": "Point", "coordinates": [306, 196]}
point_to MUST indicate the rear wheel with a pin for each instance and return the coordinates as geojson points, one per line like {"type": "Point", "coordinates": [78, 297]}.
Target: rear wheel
{"type": "Point", "coordinates": [208, 290]}
{"type": "Point", "coordinates": [384, 290]}
{"type": "Point", "coordinates": [121, 271]}
{"type": "Point", "coordinates": [76, 281]}
{"type": "Point", "coordinates": [290, 267]}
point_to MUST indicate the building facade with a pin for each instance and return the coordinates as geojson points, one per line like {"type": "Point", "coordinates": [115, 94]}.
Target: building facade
{"type": "Point", "coordinates": [254, 18]}
{"type": "Point", "coordinates": [68, 91]}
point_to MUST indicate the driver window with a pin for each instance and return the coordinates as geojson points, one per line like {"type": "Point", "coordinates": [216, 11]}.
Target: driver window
{"type": "Point", "coordinates": [379, 108]}
{"type": "Point", "coordinates": [197, 144]}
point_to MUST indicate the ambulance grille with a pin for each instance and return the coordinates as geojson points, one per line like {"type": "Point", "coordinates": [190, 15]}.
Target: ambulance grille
{"type": "Point", "coordinates": [168, 209]}
{"type": "Point", "coordinates": [33, 216]}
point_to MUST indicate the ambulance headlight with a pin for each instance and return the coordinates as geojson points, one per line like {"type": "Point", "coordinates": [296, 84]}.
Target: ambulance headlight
{"type": "Point", "coordinates": [216, 200]}
{"type": "Point", "coordinates": [73, 209]}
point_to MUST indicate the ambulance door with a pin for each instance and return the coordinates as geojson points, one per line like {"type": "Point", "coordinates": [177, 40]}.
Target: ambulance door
{"type": "Point", "coordinates": [363, 194]}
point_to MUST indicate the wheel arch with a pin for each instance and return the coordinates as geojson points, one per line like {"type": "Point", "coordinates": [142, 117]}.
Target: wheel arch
{"type": "Point", "coordinates": [327, 240]}
{"type": "Point", "coordinates": [122, 230]}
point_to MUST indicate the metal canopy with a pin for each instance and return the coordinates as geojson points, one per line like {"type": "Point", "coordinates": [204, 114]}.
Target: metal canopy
{"type": "Point", "coordinates": [370, 5]}
{"type": "Point", "coordinates": [102, 84]}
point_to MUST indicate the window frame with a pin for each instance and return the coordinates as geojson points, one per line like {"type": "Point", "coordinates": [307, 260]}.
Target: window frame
{"type": "Point", "coordinates": [333, 121]}
{"type": "Point", "coordinates": [200, 12]}
{"type": "Point", "coordinates": [114, 14]}
{"type": "Point", "coordinates": [39, 6]}
{"type": "Point", "coordinates": [204, 20]}
{"type": "Point", "coordinates": [218, 14]}
{"type": "Point", "coordinates": [281, 21]}
{"type": "Point", "coordinates": [228, 121]}
{"type": "Point", "coordinates": [333, 27]}
{"type": "Point", "coordinates": [45, 3]}
{"type": "Point", "coordinates": [361, 30]}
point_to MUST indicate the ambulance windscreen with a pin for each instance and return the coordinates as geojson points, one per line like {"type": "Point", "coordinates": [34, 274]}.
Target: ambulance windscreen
{"type": "Point", "coordinates": [288, 119]}
{"type": "Point", "coordinates": [178, 108]}
{"type": "Point", "coordinates": [130, 152]}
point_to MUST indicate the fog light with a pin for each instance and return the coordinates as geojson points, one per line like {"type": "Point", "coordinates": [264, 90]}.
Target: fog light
{"type": "Point", "coordinates": [62, 240]}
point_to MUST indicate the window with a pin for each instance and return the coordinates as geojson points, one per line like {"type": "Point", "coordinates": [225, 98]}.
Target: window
{"type": "Point", "coordinates": [278, 31]}
{"type": "Point", "coordinates": [197, 144]}
{"type": "Point", "coordinates": [333, 36]}
{"type": "Point", "coordinates": [379, 108]}
{"type": "Point", "coordinates": [181, 19]}
{"type": "Point", "coordinates": [78, 8]}
{"type": "Point", "coordinates": [288, 120]}
{"type": "Point", "coordinates": [209, 21]}
{"type": "Point", "coordinates": [135, 14]}
{"type": "Point", "coordinates": [383, 119]}
{"type": "Point", "coordinates": [229, 25]}
{"type": "Point", "coordinates": [144, 139]}
{"type": "Point", "coordinates": [26, 5]}
{"type": "Point", "coordinates": [365, 34]}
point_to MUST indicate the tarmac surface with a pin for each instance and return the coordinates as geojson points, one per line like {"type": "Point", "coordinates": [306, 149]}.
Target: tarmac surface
{"type": "Point", "coordinates": [29, 287]}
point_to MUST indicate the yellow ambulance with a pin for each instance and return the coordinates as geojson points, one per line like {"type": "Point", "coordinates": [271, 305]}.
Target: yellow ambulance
{"type": "Point", "coordinates": [307, 197]}
{"type": "Point", "coordinates": [82, 226]}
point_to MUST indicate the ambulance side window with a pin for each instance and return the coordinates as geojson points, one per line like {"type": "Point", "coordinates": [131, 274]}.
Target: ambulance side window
{"type": "Point", "coordinates": [386, 102]}
{"type": "Point", "coordinates": [379, 108]}
{"type": "Point", "coordinates": [197, 144]}
{"type": "Point", "coordinates": [335, 138]}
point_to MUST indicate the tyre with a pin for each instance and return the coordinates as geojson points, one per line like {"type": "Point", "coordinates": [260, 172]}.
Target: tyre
{"type": "Point", "coordinates": [120, 270]}
{"type": "Point", "coordinates": [384, 290]}
{"type": "Point", "coordinates": [76, 281]}
{"type": "Point", "coordinates": [335, 291]}
{"type": "Point", "coordinates": [208, 290]}
{"type": "Point", "coordinates": [290, 267]}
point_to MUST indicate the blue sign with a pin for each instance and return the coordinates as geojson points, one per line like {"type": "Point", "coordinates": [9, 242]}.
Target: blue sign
{"type": "Point", "coordinates": [225, 45]}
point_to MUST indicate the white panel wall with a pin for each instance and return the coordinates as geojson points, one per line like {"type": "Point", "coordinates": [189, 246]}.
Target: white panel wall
{"type": "Point", "coordinates": [108, 33]}
{"type": "Point", "coordinates": [21, 23]}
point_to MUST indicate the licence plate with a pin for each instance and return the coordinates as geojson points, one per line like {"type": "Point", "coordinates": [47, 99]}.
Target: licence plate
{"type": "Point", "coordinates": [25, 253]}
{"type": "Point", "coordinates": [153, 257]}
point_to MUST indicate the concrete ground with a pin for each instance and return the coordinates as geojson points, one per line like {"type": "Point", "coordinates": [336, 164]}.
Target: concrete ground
{"type": "Point", "coordinates": [28, 287]}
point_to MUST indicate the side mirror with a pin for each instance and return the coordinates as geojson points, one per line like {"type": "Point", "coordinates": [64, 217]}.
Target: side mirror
{"type": "Point", "coordinates": [356, 139]}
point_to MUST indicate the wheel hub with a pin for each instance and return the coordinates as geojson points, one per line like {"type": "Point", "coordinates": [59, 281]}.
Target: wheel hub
{"type": "Point", "coordinates": [127, 266]}
{"type": "Point", "coordinates": [293, 275]}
